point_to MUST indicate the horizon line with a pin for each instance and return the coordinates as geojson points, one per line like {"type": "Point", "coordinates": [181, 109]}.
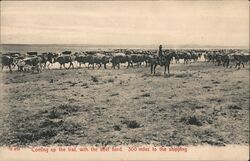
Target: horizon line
{"type": "Point", "coordinates": [111, 44]}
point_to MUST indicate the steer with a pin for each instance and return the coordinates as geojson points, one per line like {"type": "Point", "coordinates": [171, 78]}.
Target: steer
{"type": "Point", "coordinates": [34, 62]}
{"type": "Point", "coordinates": [119, 58]}
{"type": "Point", "coordinates": [7, 61]}
{"type": "Point", "coordinates": [63, 59]}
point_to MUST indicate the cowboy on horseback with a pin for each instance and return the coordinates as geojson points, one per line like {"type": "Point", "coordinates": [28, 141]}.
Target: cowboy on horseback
{"type": "Point", "coordinates": [160, 51]}
{"type": "Point", "coordinates": [162, 60]}
{"type": "Point", "coordinates": [160, 55]}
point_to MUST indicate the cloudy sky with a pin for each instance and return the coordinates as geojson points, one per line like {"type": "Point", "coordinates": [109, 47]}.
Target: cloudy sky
{"type": "Point", "coordinates": [116, 22]}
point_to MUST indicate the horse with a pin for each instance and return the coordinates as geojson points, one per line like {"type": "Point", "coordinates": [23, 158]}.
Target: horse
{"type": "Point", "coordinates": [163, 60]}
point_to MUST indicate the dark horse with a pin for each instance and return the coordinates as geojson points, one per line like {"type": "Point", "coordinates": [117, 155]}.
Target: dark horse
{"type": "Point", "coordinates": [163, 60]}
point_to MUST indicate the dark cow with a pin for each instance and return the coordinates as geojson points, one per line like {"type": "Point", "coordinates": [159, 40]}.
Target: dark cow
{"type": "Point", "coordinates": [32, 54]}
{"type": "Point", "coordinates": [185, 56]}
{"type": "Point", "coordinates": [66, 53]}
{"type": "Point", "coordinates": [194, 56]}
{"type": "Point", "coordinates": [43, 58]}
{"type": "Point", "coordinates": [51, 58]}
{"type": "Point", "coordinates": [7, 61]}
{"type": "Point", "coordinates": [240, 60]}
{"type": "Point", "coordinates": [135, 58]}
{"type": "Point", "coordinates": [101, 59]}
{"type": "Point", "coordinates": [13, 54]}
{"type": "Point", "coordinates": [63, 59]}
{"type": "Point", "coordinates": [48, 59]}
{"type": "Point", "coordinates": [148, 58]}
{"type": "Point", "coordinates": [225, 59]}
{"type": "Point", "coordinates": [93, 59]}
{"type": "Point", "coordinates": [90, 60]}
{"type": "Point", "coordinates": [119, 58]}
{"type": "Point", "coordinates": [222, 59]}
{"type": "Point", "coordinates": [81, 58]}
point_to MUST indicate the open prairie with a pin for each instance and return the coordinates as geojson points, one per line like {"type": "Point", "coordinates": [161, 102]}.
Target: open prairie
{"type": "Point", "coordinates": [197, 104]}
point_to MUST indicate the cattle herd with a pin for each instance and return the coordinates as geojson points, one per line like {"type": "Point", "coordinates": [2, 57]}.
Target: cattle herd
{"type": "Point", "coordinates": [37, 62]}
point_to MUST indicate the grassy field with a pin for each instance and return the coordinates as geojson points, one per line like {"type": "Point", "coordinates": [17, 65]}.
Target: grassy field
{"type": "Point", "coordinates": [197, 104]}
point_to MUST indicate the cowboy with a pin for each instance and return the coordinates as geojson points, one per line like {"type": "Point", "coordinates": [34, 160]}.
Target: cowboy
{"type": "Point", "coordinates": [160, 51]}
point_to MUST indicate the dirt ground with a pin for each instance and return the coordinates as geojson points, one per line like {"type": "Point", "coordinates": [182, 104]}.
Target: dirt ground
{"type": "Point", "coordinates": [197, 104]}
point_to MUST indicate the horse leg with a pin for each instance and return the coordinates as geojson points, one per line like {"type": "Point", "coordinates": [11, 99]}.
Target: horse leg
{"type": "Point", "coordinates": [151, 68]}
{"type": "Point", "coordinates": [168, 69]}
{"type": "Point", "coordinates": [165, 67]}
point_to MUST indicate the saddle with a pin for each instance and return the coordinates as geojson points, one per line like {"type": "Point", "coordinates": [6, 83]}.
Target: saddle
{"type": "Point", "coordinates": [161, 60]}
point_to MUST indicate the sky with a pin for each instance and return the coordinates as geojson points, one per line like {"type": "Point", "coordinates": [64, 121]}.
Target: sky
{"type": "Point", "coordinates": [215, 23]}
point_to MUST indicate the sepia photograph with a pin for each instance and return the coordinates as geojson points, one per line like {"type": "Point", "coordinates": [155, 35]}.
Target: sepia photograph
{"type": "Point", "coordinates": [135, 77]}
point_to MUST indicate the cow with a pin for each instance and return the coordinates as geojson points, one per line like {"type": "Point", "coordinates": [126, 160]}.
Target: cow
{"type": "Point", "coordinates": [66, 53]}
{"type": "Point", "coordinates": [63, 59]}
{"type": "Point", "coordinates": [135, 58]}
{"type": "Point", "coordinates": [119, 58]}
{"type": "Point", "coordinates": [32, 54]}
{"type": "Point", "coordinates": [240, 60]}
{"type": "Point", "coordinates": [34, 63]}
{"type": "Point", "coordinates": [7, 61]}
{"type": "Point", "coordinates": [101, 59]}
{"type": "Point", "coordinates": [43, 58]}
{"type": "Point", "coordinates": [48, 59]}
{"type": "Point", "coordinates": [20, 64]}
{"type": "Point", "coordinates": [147, 59]}
{"type": "Point", "coordinates": [51, 58]}
{"type": "Point", "coordinates": [90, 60]}
{"type": "Point", "coordinates": [81, 58]}
{"type": "Point", "coordinates": [225, 60]}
